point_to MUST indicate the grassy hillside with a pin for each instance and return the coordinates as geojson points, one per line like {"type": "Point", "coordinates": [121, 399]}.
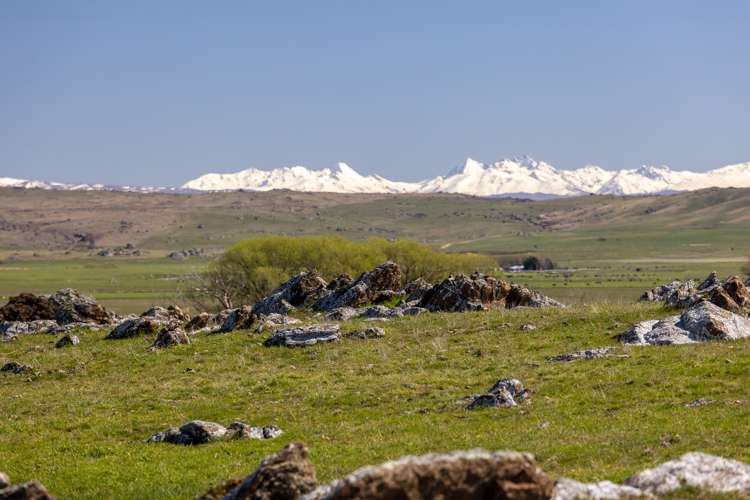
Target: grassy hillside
{"type": "Point", "coordinates": [80, 425]}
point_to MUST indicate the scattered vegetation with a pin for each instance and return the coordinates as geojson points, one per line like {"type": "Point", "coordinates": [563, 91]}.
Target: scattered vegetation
{"type": "Point", "coordinates": [254, 267]}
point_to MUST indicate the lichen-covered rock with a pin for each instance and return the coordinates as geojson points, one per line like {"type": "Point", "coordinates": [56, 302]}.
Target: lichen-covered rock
{"type": "Point", "coordinates": [414, 290]}
{"type": "Point", "coordinates": [274, 320]}
{"type": "Point", "coordinates": [64, 306]}
{"type": "Point", "coordinates": [528, 327]}
{"type": "Point", "coordinates": [303, 336]}
{"type": "Point", "coordinates": [702, 322]}
{"type": "Point", "coordinates": [241, 318]}
{"type": "Point", "coordinates": [478, 293]}
{"type": "Point", "coordinates": [413, 311]}
{"type": "Point", "coordinates": [170, 337]}
{"type": "Point", "coordinates": [696, 470]}
{"type": "Point", "coordinates": [198, 432]}
{"type": "Point", "coordinates": [379, 312]}
{"type": "Point", "coordinates": [286, 475]}
{"type": "Point", "coordinates": [568, 489]}
{"type": "Point", "coordinates": [73, 307]}
{"type": "Point", "coordinates": [17, 368]}
{"type": "Point", "coordinates": [367, 289]}
{"type": "Point", "coordinates": [241, 430]}
{"type": "Point", "coordinates": [32, 490]}
{"type": "Point", "coordinates": [135, 326]}
{"type": "Point", "coordinates": [731, 294]}
{"type": "Point", "coordinates": [371, 332]}
{"type": "Point", "coordinates": [460, 475]}
{"type": "Point", "coordinates": [11, 329]}
{"type": "Point", "coordinates": [505, 393]}
{"type": "Point", "coordinates": [206, 321]}
{"type": "Point", "coordinates": [299, 291]}
{"type": "Point", "coordinates": [67, 340]}
{"type": "Point", "coordinates": [342, 314]}
{"type": "Point", "coordinates": [169, 314]}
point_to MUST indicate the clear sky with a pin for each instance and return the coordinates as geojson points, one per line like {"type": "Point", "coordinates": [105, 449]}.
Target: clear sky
{"type": "Point", "coordinates": [158, 92]}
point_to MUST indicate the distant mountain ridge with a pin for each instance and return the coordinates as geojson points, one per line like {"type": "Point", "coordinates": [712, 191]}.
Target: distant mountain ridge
{"type": "Point", "coordinates": [510, 177]}
{"type": "Point", "coordinates": [518, 176]}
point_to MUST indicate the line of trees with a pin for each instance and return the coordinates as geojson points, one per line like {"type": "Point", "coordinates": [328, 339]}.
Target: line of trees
{"type": "Point", "coordinates": [253, 268]}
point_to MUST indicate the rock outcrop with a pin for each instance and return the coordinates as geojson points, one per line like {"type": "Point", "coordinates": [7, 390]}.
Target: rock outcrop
{"type": "Point", "coordinates": [702, 322]}
{"type": "Point", "coordinates": [136, 326]}
{"type": "Point", "coordinates": [478, 293]}
{"type": "Point", "coordinates": [300, 291]}
{"type": "Point", "coordinates": [450, 476]}
{"type": "Point", "coordinates": [289, 474]}
{"type": "Point", "coordinates": [303, 336]}
{"type": "Point", "coordinates": [731, 294]}
{"type": "Point", "coordinates": [367, 289]}
{"type": "Point", "coordinates": [198, 432]}
{"type": "Point", "coordinates": [65, 309]}
{"type": "Point", "coordinates": [695, 470]}
{"type": "Point", "coordinates": [505, 393]}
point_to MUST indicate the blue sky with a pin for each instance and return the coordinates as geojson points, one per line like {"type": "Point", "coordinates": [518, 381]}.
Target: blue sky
{"type": "Point", "coordinates": [161, 92]}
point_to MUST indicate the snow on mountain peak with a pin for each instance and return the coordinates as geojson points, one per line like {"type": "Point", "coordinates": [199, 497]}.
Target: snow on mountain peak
{"type": "Point", "coordinates": [521, 176]}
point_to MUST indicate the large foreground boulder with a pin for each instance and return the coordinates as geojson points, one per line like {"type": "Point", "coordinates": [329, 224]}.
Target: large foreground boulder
{"type": "Point", "coordinates": [300, 291]}
{"type": "Point", "coordinates": [460, 475]}
{"type": "Point", "coordinates": [369, 288]}
{"type": "Point", "coordinates": [198, 432]}
{"type": "Point", "coordinates": [702, 322]}
{"type": "Point", "coordinates": [287, 475]}
{"type": "Point", "coordinates": [694, 470]}
{"type": "Point", "coordinates": [478, 293]}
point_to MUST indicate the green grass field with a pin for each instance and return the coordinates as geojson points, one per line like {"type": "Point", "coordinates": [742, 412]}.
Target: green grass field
{"type": "Point", "coordinates": [80, 424]}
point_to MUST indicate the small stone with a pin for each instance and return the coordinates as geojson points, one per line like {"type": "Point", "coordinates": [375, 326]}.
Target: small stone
{"type": "Point", "coordinates": [505, 393]}
{"type": "Point", "coordinates": [16, 368]}
{"type": "Point", "coordinates": [568, 489]}
{"type": "Point", "coordinates": [67, 340]}
{"type": "Point", "coordinates": [600, 352]}
{"type": "Point", "coordinates": [191, 433]}
{"type": "Point", "coordinates": [527, 327]}
{"type": "Point", "coordinates": [4, 480]}
{"type": "Point", "coordinates": [168, 338]}
{"type": "Point", "coordinates": [371, 332]}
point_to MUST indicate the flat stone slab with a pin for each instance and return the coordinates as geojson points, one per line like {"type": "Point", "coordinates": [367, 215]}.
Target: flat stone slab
{"type": "Point", "coordinates": [303, 336]}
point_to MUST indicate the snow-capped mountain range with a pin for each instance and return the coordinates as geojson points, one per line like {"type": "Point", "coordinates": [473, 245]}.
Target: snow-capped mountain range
{"type": "Point", "coordinates": [519, 176]}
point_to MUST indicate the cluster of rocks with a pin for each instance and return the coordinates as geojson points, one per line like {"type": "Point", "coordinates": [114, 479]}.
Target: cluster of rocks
{"type": "Point", "coordinates": [344, 298]}
{"type": "Point", "coordinates": [129, 250]}
{"type": "Point", "coordinates": [60, 312]}
{"type": "Point", "coordinates": [303, 336]}
{"type": "Point", "coordinates": [31, 490]}
{"type": "Point", "coordinates": [505, 393]}
{"type": "Point", "coordinates": [150, 322]}
{"type": "Point", "coordinates": [478, 293]}
{"type": "Point", "coordinates": [700, 323]}
{"type": "Point", "coordinates": [731, 294]}
{"type": "Point", "coordinates": [200, 432]}
{"type": "Point", "coordinates": [586, 354]}
{"type": "Point", "coordinates": [474, 474]}
{"type": "Point", "coordinates": [184, 254]}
